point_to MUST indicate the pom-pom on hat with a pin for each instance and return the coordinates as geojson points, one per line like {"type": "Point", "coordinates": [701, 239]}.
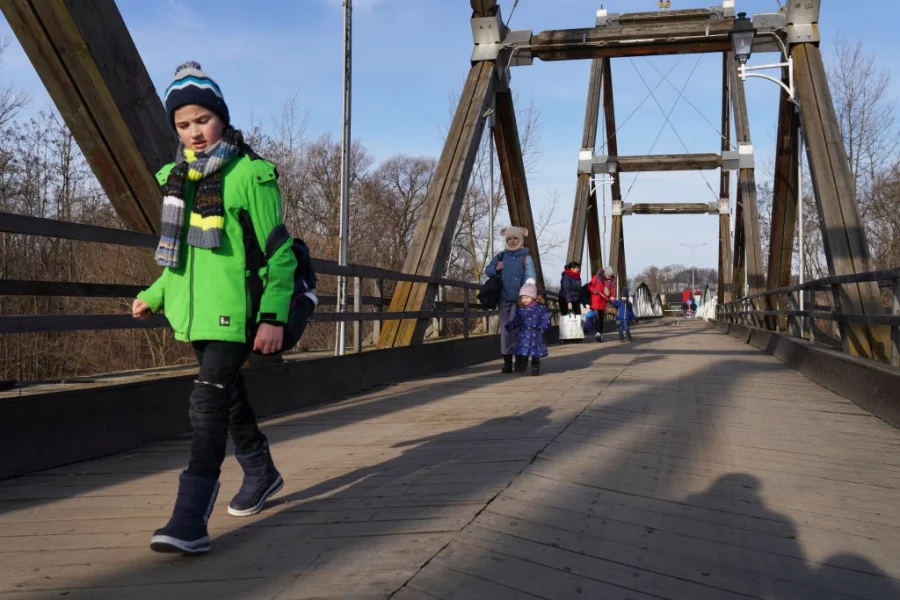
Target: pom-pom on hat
{"type": "Point", "coordinates": [530, 290]}
{"type": "Point", "coordinates": [192, 86]}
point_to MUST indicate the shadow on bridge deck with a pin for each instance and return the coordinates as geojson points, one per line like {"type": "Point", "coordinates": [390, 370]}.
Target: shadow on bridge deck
{"type": "Point", "coordinates": [685, 465]}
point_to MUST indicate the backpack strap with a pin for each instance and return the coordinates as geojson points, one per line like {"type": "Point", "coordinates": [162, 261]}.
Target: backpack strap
{"type": "Point", "coordinates": [277, 237]}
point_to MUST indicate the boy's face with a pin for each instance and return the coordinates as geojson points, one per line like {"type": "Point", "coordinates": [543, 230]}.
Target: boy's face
{"type": "Point", "coordinates": [624, 298]}
{"type": "Point", "coordinates": [526, 300]}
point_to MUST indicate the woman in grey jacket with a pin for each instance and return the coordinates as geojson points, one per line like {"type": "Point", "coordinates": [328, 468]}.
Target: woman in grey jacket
{"type": "Point", "coordinates": [515, 267]}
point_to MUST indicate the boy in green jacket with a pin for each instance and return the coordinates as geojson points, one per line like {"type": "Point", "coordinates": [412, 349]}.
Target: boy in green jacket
{"type": "Point", "coordinates": [220, 203]}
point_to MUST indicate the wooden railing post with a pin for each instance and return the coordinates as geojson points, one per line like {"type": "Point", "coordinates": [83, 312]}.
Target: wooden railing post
{"type": "Point", "coordinates": [465, 313]}
{"type": "Point", "coordinates": [357, 308]}
{"type": "Point", "coordinates": [895, 329]}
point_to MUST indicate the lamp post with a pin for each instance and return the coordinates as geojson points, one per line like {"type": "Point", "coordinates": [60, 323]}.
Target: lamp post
{"type": "Point", "coordinates": [344, 253]}
{"type": "Point", "coordinates": [741, 36]}
{"type": "Point", "coordinates": [692, 247]}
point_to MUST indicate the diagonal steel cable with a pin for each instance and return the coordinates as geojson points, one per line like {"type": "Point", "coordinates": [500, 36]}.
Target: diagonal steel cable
{"type": "Point", "coordinates": [669, 122]}
{"type": "Point", "coordinates": [697, 110]}
{"type": "Point", "coordinates": [647, 97]}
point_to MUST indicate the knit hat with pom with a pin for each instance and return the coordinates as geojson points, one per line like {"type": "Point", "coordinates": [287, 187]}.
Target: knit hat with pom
{"type": "Point", "coordinates": [530, 290]}
{"type": "Point", "coordinates": [192, 86]}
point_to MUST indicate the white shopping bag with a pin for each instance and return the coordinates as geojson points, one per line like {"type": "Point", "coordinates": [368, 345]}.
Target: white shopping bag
{"type": "Point", "coordinates": [570, 327]}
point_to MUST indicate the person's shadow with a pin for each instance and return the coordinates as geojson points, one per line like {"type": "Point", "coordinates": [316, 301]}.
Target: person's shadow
{"type": "Point", "coordinates": [764, 556]}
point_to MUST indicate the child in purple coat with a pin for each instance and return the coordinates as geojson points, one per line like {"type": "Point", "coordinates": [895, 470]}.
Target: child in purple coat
{"type": "Point", "coordinates": [534, 319]}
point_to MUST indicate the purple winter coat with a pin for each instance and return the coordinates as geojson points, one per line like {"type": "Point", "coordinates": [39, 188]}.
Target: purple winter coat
{"type": "Point", "coordinates": [534, 320]}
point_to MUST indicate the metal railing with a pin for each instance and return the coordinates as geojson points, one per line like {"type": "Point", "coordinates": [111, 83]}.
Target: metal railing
{"type": "Point", "coordinates": [801, 322]}
{"type": "Point", "coordinates": [38, 226]}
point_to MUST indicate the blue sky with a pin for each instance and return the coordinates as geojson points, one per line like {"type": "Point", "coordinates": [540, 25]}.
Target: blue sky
{"type": "Point", "coordinates": [411, 57]}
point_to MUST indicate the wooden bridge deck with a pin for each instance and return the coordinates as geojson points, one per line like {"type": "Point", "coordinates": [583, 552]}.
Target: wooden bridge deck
{"type": "Point", "coordinates": [685, 465]}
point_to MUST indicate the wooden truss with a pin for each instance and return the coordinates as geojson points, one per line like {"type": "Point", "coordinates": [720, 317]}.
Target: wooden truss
{"type": "Point", "coordinates": [89, 64]}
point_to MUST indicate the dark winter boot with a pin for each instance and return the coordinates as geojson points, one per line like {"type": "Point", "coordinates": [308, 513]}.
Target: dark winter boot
{"type": "Point", "coordinates": [521, 363]}
{"type": "Point", "coordinates": [261, 481]}
{"type": "Point", "coordinates": [535, 366]}
{"type": "Point", "coordinates": [507, 364]}
{"type": "Point", "coordinates": [186, 530]}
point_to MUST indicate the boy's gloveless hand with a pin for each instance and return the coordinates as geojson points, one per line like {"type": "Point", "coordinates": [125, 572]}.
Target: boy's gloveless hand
{"type": "Point", "coordinates": [269, 338]}
{"type": "Point", "coordinates": [139, 309]}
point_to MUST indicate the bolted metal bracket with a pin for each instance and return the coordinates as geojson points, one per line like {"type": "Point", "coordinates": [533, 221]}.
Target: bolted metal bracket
{"type": "Point", "coordinates": [493, 41]}
{"type": "Point", "coordinates": [712, 208]}
{"type": "Point", "coordinates": [596, 164]}
{"type": "Point", "coordinates": [742, 158]}
{"type": "Point", "coordinates": [606, 19]}
{"type": "Point", "coordinates": [803, 21]}
{"type": "Point", "coordinates": [724, 206]}
{"type": "Point", "coordinates": [620, 208]}
{"type": "Point", "coordinates": [728, 8]}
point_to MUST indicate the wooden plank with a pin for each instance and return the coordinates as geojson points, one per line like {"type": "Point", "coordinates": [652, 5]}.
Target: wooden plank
{"type": "Point", "coordinates": [581, 208]}
{"type": "Point", "coordinates": [846, 248]}
{"type": "Point", "coordinates": [636, 39]}
{"type": "Point", "coordinates": [673, 208]}
{"type": "Point", "coordinates": [24, 224]}
{"type": "Point", "coordinates": [725, 258]}
{"type": "Point", "coordinates": [747, 185]}
{"type": "Point", "coordinates": [15, 287]}
{"type": "Point", "coordinates": [512, 170]}
{"type": "Point", "coordinates": [431, 240]}
{"type": "Point", "coordinates": [10, 324]}
{"type": "Point", "coordinates": [483, 8]}
{"type": "Point", "coordinates": [784, 207]}
{"type": "Point", "coordinates": [594, 241]}
{"type": "Point", "coordinates": [668, 162]}
{"type": "Point", "coordinates": [90, 66]}
{"type": "Point", "coordinates": [617, 234]}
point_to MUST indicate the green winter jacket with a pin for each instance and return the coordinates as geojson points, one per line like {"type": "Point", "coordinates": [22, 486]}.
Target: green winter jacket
{"type": "Point", "coordinates": [207, 298]}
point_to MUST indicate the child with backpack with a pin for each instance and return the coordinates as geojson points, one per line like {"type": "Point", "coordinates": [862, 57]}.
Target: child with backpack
{"type": "Point", "coordinates": [532, 319]}
{"type": "Point", "coordinates": [624, 316]}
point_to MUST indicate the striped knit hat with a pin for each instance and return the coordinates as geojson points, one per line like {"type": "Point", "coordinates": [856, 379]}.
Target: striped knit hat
{"type": "Point", "coordinates": [192, 86]}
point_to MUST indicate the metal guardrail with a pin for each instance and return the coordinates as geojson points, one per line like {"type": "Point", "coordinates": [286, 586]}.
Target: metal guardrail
{"type": "Point", "coordinates": [746, 311]}
{"type": "Point", "coordinates": [27, 225]}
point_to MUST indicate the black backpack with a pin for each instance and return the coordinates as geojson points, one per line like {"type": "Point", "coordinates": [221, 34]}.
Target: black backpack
{"type": "Point", "coordinates": [302, 307]}
{"type": "Point", "coordinates": [491, 291]}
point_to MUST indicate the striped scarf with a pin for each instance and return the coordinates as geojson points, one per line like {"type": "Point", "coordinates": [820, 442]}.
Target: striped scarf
{"type": "Point", "coordinates": [208, 212]}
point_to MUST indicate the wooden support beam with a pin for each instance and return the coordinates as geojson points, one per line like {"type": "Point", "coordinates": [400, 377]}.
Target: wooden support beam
{"type": "Point", "coordinates": [725, 264]}
{"type": "Point", "coordinates": [483, 8]}
{"type": "Point", "coordinates": [784, 206]}
{"type": "Point", "coordinates": [582, 203]}
{"type": "Point", "coordinates": [512, 170]}
{"type": "Point", "coordinates": [846, 248]}
{"type": "Point", "coordinates": [617, 232]}
{"type": "Point", "coordinates": [747, 184]}
{"type": "Point", "coordinates": [89, 64]}
{"type": "Point", "coordinates": [595, 243]}
{"type": "Point", "coordinates": [432, 238]}
{"type": "Point", "coordinates": [739, 266]}
{"type": "Point", "coordinates": [673, 16]}
{"type": "Point", "coordinates": [668, 162]}
{"type": "Point", "coordinates": [633, 39]}
{"type": "Point", "coordinates": [670, 208]}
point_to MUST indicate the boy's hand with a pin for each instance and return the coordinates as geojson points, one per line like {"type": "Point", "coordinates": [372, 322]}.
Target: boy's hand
{"type": "Point", "coordinates": [140, 310]}
{"type": "Point", "coordinates": [269, 338]}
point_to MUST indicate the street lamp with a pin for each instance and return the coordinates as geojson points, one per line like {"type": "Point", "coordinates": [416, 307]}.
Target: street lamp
{"type": "Point", "coordinates": [692, 247]}
{"type": "Point", "coordinates": [742, 34]}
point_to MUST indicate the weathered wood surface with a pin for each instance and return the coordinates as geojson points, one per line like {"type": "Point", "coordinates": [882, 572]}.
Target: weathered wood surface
{"type": "Point", "coordinates": [784, 205]}
{"type": "Point", "coordinates": [674, 208]}
{"type": "Point", "coordinates": [617, 230]}
{"type": "Point", "coordinates": [431, 241]}
{"type": "Point", "coordinates": [725, 264]}
{"type": "Point", "coordinates": [512, 171]}
{"type": "Point", "coordinates": [685, 465]}
{"type": "Point", "coordinates": [633, 39]}
{"type": "Point", "coordinates": [581, 211]}
{"type": "Point", "coordinates": [669, 162]}
{"type": "Point", "coordinates": [846, 248]}
{"type": "Point", "coordinates": [755, 271]}
{"type": "Point", "coordinates": [89, 64]}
